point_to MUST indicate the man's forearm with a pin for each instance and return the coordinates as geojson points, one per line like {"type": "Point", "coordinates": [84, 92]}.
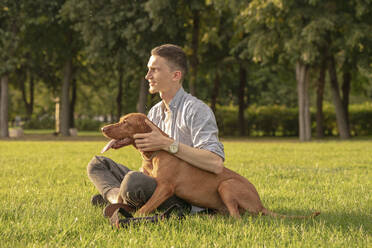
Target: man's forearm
{"type": "Point", "coordinates": [203, 159]}
{"type": "Point", "coordinates": [200, 158]}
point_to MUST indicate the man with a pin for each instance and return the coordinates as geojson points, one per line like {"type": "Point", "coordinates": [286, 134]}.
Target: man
{"type": "Point", "coordinates": [190, 124]}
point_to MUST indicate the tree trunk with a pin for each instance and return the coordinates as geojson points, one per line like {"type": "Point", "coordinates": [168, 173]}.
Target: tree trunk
{"type": "Point", "coordinates": [28, 104]}
{"type": "Point", "coordinates": [73, 102]}
{"type": "Point", "coordinates": [4, 97]}
{"type": "Point", "coordinates": [242, 105]}
{"type": "Point", "coordinates": [319, 100]}
{"type": "Point", "coordinates": [65, 99]}
{"type": "Point", "coordinates": [57, 115]}
{"type": "Point", "coordinates": [142, 98]}
{"type": "Point", "coordinates": [302, 77]}
{"type": "Point", "coordinates": [216, 88]}
{"type": "Point", "coordinates": [195, 47]}
{"type": "Point", "coordinates": [346, 85]}
{"type": "Point", "coordinates": [119, 96]}
{"type": "Point", "coordinates": [340, 113]}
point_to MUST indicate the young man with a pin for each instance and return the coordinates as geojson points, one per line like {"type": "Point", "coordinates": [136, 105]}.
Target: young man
{"type": "Point", "coordinates": [190, 124]}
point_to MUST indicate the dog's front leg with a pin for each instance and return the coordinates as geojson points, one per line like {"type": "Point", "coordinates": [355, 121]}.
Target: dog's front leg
{"type": "Point", "coordinates": [162, 192]}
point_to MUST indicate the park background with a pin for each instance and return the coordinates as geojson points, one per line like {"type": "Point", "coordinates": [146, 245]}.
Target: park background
{"type": "Point", "coordinates": [266, 68]}
{"type": "Point", "coordinates": [296, 69]}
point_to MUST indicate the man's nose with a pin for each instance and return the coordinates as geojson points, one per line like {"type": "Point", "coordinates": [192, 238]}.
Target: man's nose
{"type": "Point", "coordinates": [148, 75]}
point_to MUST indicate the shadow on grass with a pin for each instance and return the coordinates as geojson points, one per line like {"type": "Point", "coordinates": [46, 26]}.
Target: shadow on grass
{"type": "Point", "coordinates": [344, 222]}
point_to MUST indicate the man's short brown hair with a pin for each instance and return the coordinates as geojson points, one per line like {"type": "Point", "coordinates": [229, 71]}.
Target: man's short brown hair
{"type": "Point", "coordinates": [174, 55]}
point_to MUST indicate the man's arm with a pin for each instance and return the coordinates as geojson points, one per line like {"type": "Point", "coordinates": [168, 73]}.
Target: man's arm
{"type": "Point", "coordinates": [200, 158]}
{"type": "Point", "coordinates": [203, 159]}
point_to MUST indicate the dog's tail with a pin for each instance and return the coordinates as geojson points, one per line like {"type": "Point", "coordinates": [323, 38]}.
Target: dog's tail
{"type": "Point", "coordinates": [269, 213]}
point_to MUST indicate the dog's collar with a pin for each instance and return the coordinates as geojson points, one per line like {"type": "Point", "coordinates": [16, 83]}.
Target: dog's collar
{"type": "Point", "coordinates": [151, 157]}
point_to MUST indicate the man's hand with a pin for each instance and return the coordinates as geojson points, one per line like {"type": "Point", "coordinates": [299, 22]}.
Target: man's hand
{"type": "Point", "coordinates": [200, 158]}
{"type": "Point", "coordinates": [153, 141]}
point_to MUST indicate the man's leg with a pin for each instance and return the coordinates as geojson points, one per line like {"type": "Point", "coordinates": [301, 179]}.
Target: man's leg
{"type": "Point", "coordinates": [137, 188]}
{"type": "Point", "coordinates": [107, 176]}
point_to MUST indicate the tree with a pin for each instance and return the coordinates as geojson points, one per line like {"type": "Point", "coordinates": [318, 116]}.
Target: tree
{"type": "Point", "coordinates": [339, 108]}
{"type": "Point", "coordinates": [24, 79]}
{"type": "Point", "coordinates": [349, 40]}
{"type": "Point", "coordinates": [291, 31]}
{"type": "Point", "coordinates": [302, 78]}
{"type": "Point", "coordinates": [11, 23]}
{"type": "Point", "coordinates": [4, 107]}
{"type": "Point", "coordinates": [187, 26]}
{"type": "Point", "coordinates": [116, 36]}
{"type": "Point", "coordinates": [319, 98]}
{"type": "Point", "coordinates": [62, 46]}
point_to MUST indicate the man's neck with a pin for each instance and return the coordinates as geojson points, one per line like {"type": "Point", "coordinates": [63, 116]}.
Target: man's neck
{"type": "Point", "coordinates": [168, 95]}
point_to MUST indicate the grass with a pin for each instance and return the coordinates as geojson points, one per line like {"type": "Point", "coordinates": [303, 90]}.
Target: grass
{"type": "Point", "coordinates": [45, 196]}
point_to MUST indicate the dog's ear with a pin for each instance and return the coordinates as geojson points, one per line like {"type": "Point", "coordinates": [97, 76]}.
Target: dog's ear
{"type": "Point", "coordinates": [143, 125]}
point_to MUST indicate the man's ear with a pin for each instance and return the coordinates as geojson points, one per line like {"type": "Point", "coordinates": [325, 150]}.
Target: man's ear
{"type": "Point", "coordinates": [177, 75]}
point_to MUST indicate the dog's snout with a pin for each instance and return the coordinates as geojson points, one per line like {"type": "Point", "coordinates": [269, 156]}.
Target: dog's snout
{"type": "Point", "coordinates": [103, 129]}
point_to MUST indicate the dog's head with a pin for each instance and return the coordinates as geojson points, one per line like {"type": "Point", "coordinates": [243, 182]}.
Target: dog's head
{"type": "Point", "coordinates": [121, 133]}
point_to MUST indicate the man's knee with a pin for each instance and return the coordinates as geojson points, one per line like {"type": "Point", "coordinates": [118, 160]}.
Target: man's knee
{"type": "Point", "coordinates": [95, 164]}
{"type": "Point", "coordinates": [137, 188]}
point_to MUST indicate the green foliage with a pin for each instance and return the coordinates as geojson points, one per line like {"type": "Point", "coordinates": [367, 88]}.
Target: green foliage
{"type": "Point", "coordinates": [88, 124]}
{"type": "Point", "coordinates": [272, 120]}
{"type": "Point", "coordinates": [297, 30]}
{"type": "Point", "coordinates": [82, 124]}
{"type": "Point", "coordinates": [226, 117]}
{"type": "Point", "coordinates": [40, 123]}
{"type": "Point", "coordinates": [10, 27]}
{"type": "Point", "coordinates": [360, 119]}
{"type": "Point", "coordinates": [111, 40]}
{"type": "Point", "coordinates": [292, 30]}
{"type": "Point", "coordinates": [278, 120]}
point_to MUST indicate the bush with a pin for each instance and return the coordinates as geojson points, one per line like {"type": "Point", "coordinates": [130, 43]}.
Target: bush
{"type": "Point", "coordinates": [226, 118]}
{"type": "Point", "coordinates": [88, 124]}
{"type": "Point", "coordinates": [49, 123]}
{"type": "Point", "coordinates": [271, 120]}
{"type": "Point", "coordinates": [361, 119]}
{"type": "Point", "coordinates": [44, 122]}
{"type": "Point", "coordinates": [277, 120]}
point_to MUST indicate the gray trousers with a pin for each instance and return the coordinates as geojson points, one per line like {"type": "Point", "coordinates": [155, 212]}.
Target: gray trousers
{"type": "Point", "coordinates": [135, 187]}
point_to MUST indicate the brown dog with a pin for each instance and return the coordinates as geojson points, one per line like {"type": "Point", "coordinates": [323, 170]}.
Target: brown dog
{"type": "Point", "coordinates": [227, 192]}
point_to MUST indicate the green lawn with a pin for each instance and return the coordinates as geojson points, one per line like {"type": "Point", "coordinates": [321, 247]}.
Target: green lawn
{"type": "Point", "coordinates": [45, 197]}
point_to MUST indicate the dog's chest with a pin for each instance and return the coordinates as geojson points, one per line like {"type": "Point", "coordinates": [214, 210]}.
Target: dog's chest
{"type": "Point", "coordinates": [159, 168]}
{"type": "Point", "coordinates": [151, 168]}
{"type": "Point", "coordinates": [154, 171]}
{"type": "Point", "coordinates": [147, 166]}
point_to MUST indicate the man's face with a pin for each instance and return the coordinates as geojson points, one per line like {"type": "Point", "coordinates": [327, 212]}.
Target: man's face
{"type": "Point", "coordinates": [159, 75]}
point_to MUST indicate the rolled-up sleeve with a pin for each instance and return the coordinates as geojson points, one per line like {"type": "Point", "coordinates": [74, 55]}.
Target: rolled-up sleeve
{"type": "Point", "coordinates": [204, 130]}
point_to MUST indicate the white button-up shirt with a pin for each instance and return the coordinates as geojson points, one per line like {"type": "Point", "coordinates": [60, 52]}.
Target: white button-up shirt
{"type": "Point", "coordinates": [189, 121]}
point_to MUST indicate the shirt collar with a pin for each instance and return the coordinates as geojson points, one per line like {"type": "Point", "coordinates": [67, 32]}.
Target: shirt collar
{"type": "Point", "coordinates": [175, 100]}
